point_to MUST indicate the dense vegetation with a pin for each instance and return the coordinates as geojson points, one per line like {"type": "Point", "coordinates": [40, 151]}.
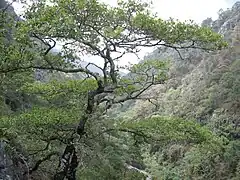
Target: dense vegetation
{"type": "Point", "coordinates": [60, 119]}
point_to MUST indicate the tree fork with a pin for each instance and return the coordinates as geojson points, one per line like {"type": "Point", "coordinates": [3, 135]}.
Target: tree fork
{"type": "Point", "coordinates": [89, 110]}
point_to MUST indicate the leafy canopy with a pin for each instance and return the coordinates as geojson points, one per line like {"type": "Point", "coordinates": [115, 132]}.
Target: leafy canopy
{"type": "Point", "coordinates": [93, 28]}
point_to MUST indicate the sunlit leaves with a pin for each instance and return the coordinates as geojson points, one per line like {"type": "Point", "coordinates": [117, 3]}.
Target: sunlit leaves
{"type": "Point", "coordinates": [168, 129]}
{"type": "Point", "coordinates": [92, 27]}
{"type": "Point", "coordinates": [97, 23]}
{"type": "Point", "coordinates": [40, 119]}
{"type": "Point", "coordinates": [174, 32]}
{"type": "Point", "coordinates": [149, 65]}
{"type": "Point", "coordinates": [150, 70]}
{"type": "Point", "coordinates": [56, 89]}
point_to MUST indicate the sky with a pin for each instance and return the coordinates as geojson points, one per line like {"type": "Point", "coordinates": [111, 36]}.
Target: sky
{"type": "Point", "coordinates": [196, 10]}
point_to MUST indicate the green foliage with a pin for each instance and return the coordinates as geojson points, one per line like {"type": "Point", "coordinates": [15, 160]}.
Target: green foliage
{"type": "Point", "coordinates": [73, 89]}
{"type": "Point", "coordinates": [89, 21]}
{"type": "Point", "coordinates": [232, 157]}
{"type": "Point", "coordinates": [56, 106]}
{"type": "Point", "coordinates": [40, 122]}
{"type": "Point", "coordinates": [208, 92]}
{"type": "Point", "coordinates": [12, 97]}
{"type": "Point", "coordinates": [182, 159]}
{"type": "Point", "coordinates": [167, 129]}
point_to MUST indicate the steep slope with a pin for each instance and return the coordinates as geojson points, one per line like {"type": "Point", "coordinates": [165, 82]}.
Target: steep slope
{"type": "Point", "coordinates": [204, 87]}
{"type": "Point", "coordinates": [12, 165]}
{"type": "Point", "coordinates": [203, 83]}
{"type": "Point", "coordinates": [200, 86]}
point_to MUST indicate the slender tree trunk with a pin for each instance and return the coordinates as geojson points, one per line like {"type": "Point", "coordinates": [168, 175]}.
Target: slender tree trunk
{"type": "Point", "coordinates": [69, 160]}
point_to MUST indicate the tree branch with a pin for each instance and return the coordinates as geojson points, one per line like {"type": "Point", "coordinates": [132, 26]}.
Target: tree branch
{"type": "Point", "coordinates": [50, 47]}
{"type": "Point", "coordinates": [39, 162]}
{"type": "Point", "coordinates": [50, 68]}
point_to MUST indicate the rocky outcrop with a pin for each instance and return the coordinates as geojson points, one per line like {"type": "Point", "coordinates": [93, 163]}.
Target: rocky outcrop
{"type": "Point", "coordinates": [12, 166]}
{"type": "Point", "coordinates": [227, 20]}
{"type": "Point", "coordinates": [4, 5]}
{"type": "Point", "coordinates": [228, 24]}
{"type": "Point", "coordinates": [4, 163]}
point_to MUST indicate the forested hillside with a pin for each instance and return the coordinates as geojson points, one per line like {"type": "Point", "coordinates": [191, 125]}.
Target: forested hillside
{"type": "Point", "coordinates": [175, 115]}
{"type": "Point", "coordinates": [203, 87]}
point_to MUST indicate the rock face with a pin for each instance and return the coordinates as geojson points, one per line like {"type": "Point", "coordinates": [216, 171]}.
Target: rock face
{"type": "Point", "coordinates": [4, 163]}
{"type": "Point", "coordinates": [5, 5]}
{"type": "Point", "coordinates": [10, 167]}
{"type": "Point", "coordinates": [228, 19]}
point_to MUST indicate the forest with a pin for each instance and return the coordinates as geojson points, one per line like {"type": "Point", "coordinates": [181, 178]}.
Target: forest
{"type": "Point", "coordinates": [175, 115]}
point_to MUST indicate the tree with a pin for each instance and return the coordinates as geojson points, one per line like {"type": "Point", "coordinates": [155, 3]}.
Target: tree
{"type": "Point", "coordinates": [92, 27]}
